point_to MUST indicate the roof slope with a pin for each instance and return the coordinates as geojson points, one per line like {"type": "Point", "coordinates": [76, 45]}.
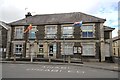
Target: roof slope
{"type": "Point", "coordinates": [5, 25]}
{"type": "Point", "coordinates": [57, 19]}
{"type": "Point", "coordinates": [106, 28]}
{"type": "Point", "coordinates": [116, 38]}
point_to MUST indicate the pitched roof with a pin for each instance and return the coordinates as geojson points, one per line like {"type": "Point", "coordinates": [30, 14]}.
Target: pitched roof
{"type": "Point", "coordinates": [116, 38]}
{"type": "Point", "coordinates": [57, 19]}
{"type": "Point", "coordinates": [106, 28]}
{"type": "Point", "coordinates": [5, 25]}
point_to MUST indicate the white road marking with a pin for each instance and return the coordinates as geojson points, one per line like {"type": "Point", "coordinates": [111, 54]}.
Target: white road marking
{"type": "Point", "coordinates": [47, 70]}
{"type": "Point", "coordinates": [55, 69]}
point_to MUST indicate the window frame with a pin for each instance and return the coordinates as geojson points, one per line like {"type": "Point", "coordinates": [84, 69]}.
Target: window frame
{"type": "Point", "coordinates": [83, 54]}
{"type": "Point", "coordinates": [15, 52]}
{"type": "Point", "coordinates": [16, 36]}
{"type": "Point", "coordinates": [67, 35]}
{"type": "Point", "coordinates": [93, 30]}
{"type": "Point", "coordinates": [63, 48]}
{"type": "Point", "coordinates": [50, 36]}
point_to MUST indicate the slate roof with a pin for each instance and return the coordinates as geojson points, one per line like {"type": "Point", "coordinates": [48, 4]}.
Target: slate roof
{"type": "Point", "coordinates": [106, 28]}
{"type": "Point", "coordinates": [60, 18]}
{"type": "Point", "coordinates": [5, 25]}
{"type": "Point", "coordinates": [116, 38]}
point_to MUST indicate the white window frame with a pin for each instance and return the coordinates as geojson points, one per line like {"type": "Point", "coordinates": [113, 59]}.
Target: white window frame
{"type": "Point", "coordinates": [19, 47]}
{"type": "Point", "coordinates": [63, 52]}
{"type": "Point", "coordinates": [22, 34]}
{"type": "Point", "coordinates": [52, 35]}
{"type": "Point", "coordinates": [93, 25]}
{"type": "Point", "coordinates": [84, 54]}
{"type": "Point", "coordinates": [67, 35]}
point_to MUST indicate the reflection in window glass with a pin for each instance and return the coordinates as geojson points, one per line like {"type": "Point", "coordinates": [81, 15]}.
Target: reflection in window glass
{"type": "Point", "coordinates": [67, 31]}
{"type": "Point", "coordinates": [18, 48]}
{"type": "Point", "coordinates": [32, 34]}
{"type": "Point", "coordinates": [87, 31]}
{"type": "Point", "coordinates": [19, 33]}
{"type": "Point", "coordinates": [51, 31]}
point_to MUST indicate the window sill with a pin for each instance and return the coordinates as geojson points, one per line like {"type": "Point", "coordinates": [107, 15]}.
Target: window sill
{"type": "Point", "coordinates": [18, 38]}
{"type": "Point", "coordinates": [87, 37]}
{"type": "Point", "coordinates": [87, 55]}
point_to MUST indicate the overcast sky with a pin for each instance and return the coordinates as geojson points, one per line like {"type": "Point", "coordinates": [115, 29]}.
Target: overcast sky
{"type": "Point", "coordinates": [12, 10]}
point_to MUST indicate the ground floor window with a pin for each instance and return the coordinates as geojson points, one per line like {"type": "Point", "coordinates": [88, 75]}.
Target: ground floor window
{"type": "Point", "coordinates": [41, 49]}
{"type": "Point", "coordinates": [67, 48]}
{"type": "Point", "coordinates": [18, 48]}
{"type": "Point", "coordinates": [88, 49]}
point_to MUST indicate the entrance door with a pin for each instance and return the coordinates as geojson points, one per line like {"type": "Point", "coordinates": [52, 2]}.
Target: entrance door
{"type": "Point", "coordinates": [52, 50]}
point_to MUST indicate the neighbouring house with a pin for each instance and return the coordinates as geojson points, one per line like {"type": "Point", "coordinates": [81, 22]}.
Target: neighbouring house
{"type": "Point", "coordinates": [108, 43]}
{"type": "Point", "coordinates": [53, 35]}
{"type": "Point", "coordinates": [4, 38]}
{"type": "Point", "coordinates": [116, 48]}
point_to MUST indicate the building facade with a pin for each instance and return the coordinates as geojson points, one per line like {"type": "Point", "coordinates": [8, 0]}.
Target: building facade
{"type": "Point", "coordinates": [53, 35]}
{"type": "Point", "coordinates": [116, 48]}
{"type": "Point", "coordinates": [4, 38]}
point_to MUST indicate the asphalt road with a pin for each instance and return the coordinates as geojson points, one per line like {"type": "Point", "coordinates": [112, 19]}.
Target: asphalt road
{"type": "Point", "coordinates": [53, 71]}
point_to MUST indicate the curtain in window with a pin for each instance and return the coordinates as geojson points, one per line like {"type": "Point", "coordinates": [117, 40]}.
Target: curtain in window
{"type": "Point", "coordinates": [88, 49]}
{"type": "Point", "coordinates": [67, 48]}
{"type": "Point", "coordinates": [67, 32]}
{"type": "Point", "coordinates": [87, 31]}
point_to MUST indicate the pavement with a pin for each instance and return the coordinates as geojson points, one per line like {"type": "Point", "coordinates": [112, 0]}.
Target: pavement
{"type": "Point", "coordinates": [97, 65]}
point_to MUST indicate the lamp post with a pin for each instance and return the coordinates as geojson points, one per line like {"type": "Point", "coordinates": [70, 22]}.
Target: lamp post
{"type": "Point", "coordinates": [34, 45]}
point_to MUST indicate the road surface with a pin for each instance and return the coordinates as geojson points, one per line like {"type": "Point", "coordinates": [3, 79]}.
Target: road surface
{"type": "Point", "coordinates": [53, 71]}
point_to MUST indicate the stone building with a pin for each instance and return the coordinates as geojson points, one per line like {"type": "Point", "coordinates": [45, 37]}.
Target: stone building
{"type": "Point", "coordinates": [53, 35]}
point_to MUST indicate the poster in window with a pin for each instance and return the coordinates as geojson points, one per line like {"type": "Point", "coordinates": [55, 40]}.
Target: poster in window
{"type": "Point", "coordinates": [79, 50]}
{"type": "Point", "coordinates": [75, 50]}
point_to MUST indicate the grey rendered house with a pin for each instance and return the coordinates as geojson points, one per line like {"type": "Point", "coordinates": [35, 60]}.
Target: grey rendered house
{"type": "Point", "coordinates": [4, 38]}
{"type": "Point", "coordinates": [53, 35]}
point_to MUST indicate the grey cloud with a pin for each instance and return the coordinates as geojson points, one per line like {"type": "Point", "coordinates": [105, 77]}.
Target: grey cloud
{"type": "Point", "coordinates": [10, 13]}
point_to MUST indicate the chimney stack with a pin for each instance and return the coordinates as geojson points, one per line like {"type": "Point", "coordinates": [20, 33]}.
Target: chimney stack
{"type": "Point", "coordinates": [28, 15]}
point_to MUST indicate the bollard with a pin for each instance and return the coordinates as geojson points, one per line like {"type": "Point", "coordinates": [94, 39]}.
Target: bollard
{"type": "Point", "coordinates": [31, 58]}
{"type": "Point", "coordinates": [49, 60]}
{"type": "Point", "coordinates": [14, 58]}
{"type": "Point", "coordinates": [69, 59]}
